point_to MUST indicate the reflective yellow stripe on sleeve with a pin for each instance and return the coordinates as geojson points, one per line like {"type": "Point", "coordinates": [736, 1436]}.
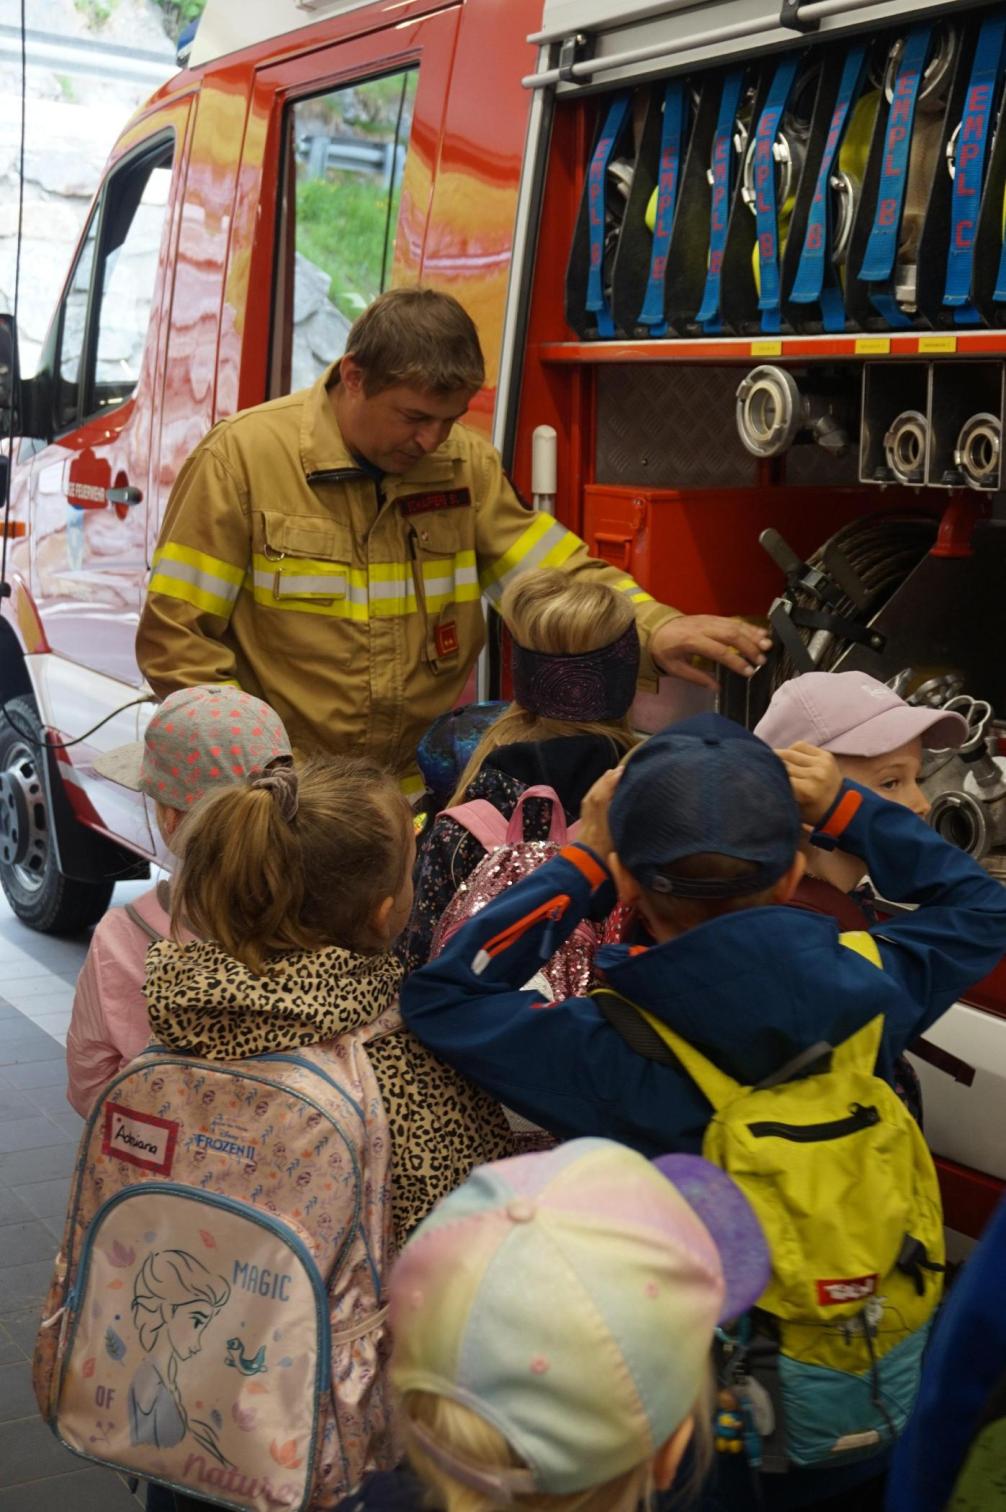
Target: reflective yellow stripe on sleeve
{"type": "Point", "coordinates": [545, 543]}
{"type": "Point", "coordinates": [633, 592]}
{"type": "Point", "coordinates": [208, 583]}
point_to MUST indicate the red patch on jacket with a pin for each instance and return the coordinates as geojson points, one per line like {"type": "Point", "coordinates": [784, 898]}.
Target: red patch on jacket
{"type": "Point", "coordinates": [452, 498]}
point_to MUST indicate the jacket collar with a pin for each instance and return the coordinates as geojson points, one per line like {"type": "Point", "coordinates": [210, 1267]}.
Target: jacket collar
{"type": "Point", "coordinates": [323, 449]}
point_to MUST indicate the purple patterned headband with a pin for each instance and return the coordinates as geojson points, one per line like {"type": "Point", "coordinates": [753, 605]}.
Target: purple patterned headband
{"type": "Point", "coordinates": [593, 685]}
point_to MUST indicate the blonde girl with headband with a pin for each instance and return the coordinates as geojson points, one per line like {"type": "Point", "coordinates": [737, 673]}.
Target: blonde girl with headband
{"type": "Point", "coordinates": [575, 660]}
{"type": "Point", "coordinates": [297, 885]}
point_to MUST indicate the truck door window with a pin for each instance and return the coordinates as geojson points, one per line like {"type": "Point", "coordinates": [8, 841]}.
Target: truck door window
{"type": "Point", "coordinates": [344, 158]}
{"type": "Point", "coordinates": [107, 308]}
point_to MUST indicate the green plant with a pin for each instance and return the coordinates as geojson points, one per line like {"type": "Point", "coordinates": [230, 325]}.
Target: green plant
{"type": "Point", "coordinates": [66, 88]}
{"type": "Point", "coordinates": [95, 12]}
{"type": "Point", "coordinates": [340, 226]}
{"type": "Point", "coordinates": [176, 14]}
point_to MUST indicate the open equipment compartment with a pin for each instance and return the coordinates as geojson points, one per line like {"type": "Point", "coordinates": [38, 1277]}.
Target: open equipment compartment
{"type": "Point", "coordinates": [901, 578]}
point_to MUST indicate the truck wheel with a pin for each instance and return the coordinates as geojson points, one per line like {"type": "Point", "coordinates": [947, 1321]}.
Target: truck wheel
{"type": "Point", "coordinates": [36, 889]}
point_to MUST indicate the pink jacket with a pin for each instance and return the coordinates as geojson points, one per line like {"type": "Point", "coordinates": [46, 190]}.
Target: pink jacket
{"type": "Point", "coordinates": [109, 1024]}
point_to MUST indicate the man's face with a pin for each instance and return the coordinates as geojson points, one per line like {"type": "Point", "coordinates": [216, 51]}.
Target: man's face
{"type": "Point", "coordinates": [397, 427]}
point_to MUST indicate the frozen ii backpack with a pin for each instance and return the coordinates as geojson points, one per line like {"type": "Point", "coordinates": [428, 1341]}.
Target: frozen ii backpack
{"type": "Point", "coordinates": [215, 1322]}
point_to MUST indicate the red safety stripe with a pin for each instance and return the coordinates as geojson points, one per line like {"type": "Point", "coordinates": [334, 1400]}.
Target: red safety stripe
{"type": "Point", "coordinates": [842, 816]}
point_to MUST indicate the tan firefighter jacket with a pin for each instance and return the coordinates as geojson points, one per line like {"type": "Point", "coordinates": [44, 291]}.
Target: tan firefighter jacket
{"type": "Point", "coordinates": [352, 607]}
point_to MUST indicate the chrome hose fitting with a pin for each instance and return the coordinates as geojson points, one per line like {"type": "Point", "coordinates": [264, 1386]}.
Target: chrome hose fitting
{"type": "Point", "coordinates": [906, 447]}
{"type": "Point", "coordinates": [978, 452]}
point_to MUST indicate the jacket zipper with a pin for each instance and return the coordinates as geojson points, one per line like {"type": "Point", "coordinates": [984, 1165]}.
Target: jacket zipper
{"type": "Point", "coordinates": [859, 1118]}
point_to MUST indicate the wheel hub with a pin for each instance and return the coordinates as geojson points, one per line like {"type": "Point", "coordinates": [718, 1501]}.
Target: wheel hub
{"type": "Point", "coordinates": [24, 832]}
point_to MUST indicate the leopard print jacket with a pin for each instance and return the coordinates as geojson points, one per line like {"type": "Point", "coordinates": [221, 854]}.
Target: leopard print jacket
{"type": "Point", "coordinates": [202, 1000]}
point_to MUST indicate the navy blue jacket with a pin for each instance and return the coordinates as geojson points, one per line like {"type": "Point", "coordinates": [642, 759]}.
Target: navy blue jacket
{"type": "Point", "coordinates": [750, 989]}
{"type": "Point", "coordinates": [963, 1391]}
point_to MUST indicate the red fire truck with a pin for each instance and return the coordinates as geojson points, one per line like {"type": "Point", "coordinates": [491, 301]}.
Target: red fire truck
{"type": "Point", "coordinates": [745, 258]}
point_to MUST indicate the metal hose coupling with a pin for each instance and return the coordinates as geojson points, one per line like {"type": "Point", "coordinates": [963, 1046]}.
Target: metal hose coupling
{"type": "Point", "coordinates": [970, 809]}
{"type": "Point", "coordinates": [773, 412]}
{"type": "Point", "coordinates": [906, 447]}
{"type": "Point", "coordinates": [978, 452]}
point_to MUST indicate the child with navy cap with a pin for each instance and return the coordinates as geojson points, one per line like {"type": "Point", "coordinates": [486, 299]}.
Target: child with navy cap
{"type": "Point", "coordinates": [702, 832]}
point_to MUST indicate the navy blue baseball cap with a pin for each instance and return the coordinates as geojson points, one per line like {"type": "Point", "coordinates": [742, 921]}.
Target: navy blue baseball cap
{"type": "Point", "coordinates": [705, 786]}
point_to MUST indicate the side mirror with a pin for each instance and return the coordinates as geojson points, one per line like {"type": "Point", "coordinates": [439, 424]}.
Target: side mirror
{"type": "Point", "coordinates": [10, 378]}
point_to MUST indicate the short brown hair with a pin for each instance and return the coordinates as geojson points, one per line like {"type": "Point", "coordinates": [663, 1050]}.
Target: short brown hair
{"type": "Point", "coordinates": [259, 884]}
{"type": "Point", "coordinates": [418, 337]}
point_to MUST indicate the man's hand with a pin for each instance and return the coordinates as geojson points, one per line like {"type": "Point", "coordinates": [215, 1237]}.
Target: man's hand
{"type": "Point", "coordinates": [814, 777]}
{"type": "Point", "coordinates": [676, 643]}
{"type": "Point", "coordinates": [594, 814]}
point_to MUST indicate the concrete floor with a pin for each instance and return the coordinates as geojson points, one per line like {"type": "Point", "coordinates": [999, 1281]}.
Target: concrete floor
{"type": "Point", "coordinates": [38, 1144]}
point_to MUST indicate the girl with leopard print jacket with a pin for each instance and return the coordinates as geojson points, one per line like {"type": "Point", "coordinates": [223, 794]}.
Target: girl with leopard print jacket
{"type": "Point", "coordinates": [297, 885]}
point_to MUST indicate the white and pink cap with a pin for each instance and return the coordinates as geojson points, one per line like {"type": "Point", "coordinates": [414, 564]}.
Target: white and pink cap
{"type": "Point", "coordinates": [852, 714]}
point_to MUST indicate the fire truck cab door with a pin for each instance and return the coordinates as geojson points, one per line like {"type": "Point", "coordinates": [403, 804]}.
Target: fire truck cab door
{"type": "Point", "coordinates": [90, 485]}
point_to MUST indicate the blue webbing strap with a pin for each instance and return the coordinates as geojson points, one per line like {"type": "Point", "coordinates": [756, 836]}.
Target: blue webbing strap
{"type": "Point", "coordinates": [882, 247]}
{"type": "Point", "coordinates": [972, 147]}
{"type": "Point", "coordinates": [719, 212]}
{"type": "Point", "coordinates": [652, 313]}
{"type": "Point", "coordinates": [766, 210]}
{"type": "Point", "coordinates": [816, 280]}
{"type": "Point", "coordinates": [596, 303]}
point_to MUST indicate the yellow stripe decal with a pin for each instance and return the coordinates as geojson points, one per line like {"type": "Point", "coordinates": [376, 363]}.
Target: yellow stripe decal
{"type": "Point", "coordinates": [171, 551]}
{"type": "Point", "coordinates": [189, 593]}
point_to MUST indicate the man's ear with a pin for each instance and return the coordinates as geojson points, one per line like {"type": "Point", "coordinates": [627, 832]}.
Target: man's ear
{"type": "Point", "coordinates": [790, 881]}
{"type": "Point", "coordinates": [628, 889]}
{"type": "Point", "coordinates": [351, 376]}
{"type": "Point", "coordinates": [379, 920]}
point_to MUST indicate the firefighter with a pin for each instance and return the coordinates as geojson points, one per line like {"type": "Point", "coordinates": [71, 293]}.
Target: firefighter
{"type": "Point", "coordinates": [328, 551]}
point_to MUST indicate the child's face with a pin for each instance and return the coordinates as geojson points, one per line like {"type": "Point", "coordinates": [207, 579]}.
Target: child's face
{"type": "Point", "coordinates": [894, 775]}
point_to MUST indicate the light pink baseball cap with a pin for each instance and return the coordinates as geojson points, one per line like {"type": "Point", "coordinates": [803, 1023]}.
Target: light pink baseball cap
{"type": "Point", "coordinates": [199, 738]}
{"type": "Point", "coordinates": [852, 714]}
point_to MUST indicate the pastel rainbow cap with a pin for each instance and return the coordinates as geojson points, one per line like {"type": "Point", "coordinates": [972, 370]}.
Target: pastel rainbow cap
{"type": "Point", "coordinates": [198, 739]}
{"type": "Point", "coordinates": [569, 1298]}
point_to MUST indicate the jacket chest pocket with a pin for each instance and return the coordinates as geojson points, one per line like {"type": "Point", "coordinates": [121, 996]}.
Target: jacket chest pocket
{"type": "Point", "coordinates": [303, 564]}
{"type": "Point", "coordinates": [445, 575]}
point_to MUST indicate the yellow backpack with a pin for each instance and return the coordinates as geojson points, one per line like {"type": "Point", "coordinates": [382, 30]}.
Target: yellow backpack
{"type": "Point", "coordinates": [826, 1369]}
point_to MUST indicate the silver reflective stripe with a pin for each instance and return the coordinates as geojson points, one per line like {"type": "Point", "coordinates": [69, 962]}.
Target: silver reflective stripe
{"type": "Point", "coordinates": [532, 558]}
{"type": "Point", "coordinates": [208, 582]}
{"type": "Point", "coordinates": [308, 585]}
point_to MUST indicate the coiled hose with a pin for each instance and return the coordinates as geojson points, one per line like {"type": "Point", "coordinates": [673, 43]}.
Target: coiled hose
{"type": "Point", "coordinates": [882, 550]}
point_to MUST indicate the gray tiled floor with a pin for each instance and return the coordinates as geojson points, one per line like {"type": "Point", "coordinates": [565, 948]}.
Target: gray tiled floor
{"type": "Point", "coordinates": [38, 1142]}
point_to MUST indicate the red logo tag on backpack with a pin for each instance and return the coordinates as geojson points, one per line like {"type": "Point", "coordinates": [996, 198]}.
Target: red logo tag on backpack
{"type": "Point", "coordinates": [851, 1289]}
{"type": "Point", "coordinates": [139, 1138]}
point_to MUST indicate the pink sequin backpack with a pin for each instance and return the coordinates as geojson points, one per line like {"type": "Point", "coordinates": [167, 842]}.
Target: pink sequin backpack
{"type": "Point", "coordinates": [570, 972]}
{"type": "Point", "coordinates": [215, 1322]}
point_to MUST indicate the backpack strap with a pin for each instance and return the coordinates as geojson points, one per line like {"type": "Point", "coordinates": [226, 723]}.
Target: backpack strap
{"type": "Point", "coordinates": [715, 1085]}
{"type": "Point", "coordinates": [557, 825]}
{"type": "Point", "coordinates": [481, 819]}
{"type": "Point", "coordinates": [863, 943]}
{"type": "Point", "coordinates": [135, 917]}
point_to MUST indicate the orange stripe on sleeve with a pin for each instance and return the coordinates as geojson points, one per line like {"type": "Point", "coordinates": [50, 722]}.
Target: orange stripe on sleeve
{"type": "Point", "coordinates": [585, 864]}
{"type": "Point", "coordinates": [842, 816]}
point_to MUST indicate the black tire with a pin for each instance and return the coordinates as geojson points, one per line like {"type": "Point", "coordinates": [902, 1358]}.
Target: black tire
{"type": "Point", "coordinates": [36, 889]}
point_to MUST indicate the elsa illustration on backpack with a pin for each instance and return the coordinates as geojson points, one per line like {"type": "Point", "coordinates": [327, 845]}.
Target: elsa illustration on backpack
{"type": "Point", "coordinates": [174, 1299]}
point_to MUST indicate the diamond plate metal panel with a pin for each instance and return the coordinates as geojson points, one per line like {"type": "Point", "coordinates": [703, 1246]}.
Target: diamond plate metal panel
{"type": "Point", "coordinates": [661, 425]}
{"type": "Point", "coordinates": [809, 466]}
